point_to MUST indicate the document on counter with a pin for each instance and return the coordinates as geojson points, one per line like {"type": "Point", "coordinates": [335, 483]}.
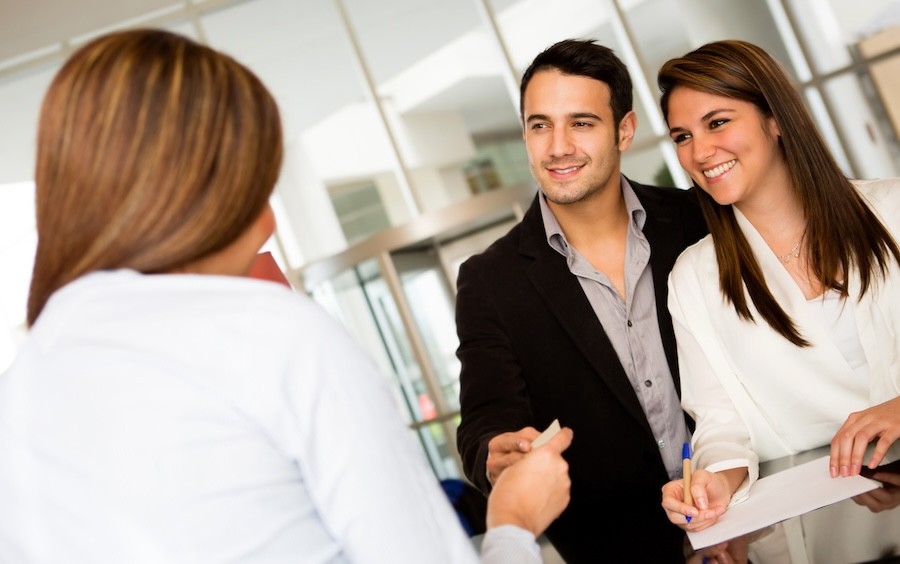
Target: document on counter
{"type": "Point", "coordinates": [778, 497]}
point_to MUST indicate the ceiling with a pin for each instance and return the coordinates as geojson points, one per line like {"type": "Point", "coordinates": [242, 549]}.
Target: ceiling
{"type": "Point", "coordinates": [27, 26]}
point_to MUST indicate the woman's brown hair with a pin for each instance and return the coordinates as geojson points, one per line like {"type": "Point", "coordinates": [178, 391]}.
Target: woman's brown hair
{"type": "Point", "coordinates": [153, 151]}
{"type": "Point", "coordinates": [842, 234]}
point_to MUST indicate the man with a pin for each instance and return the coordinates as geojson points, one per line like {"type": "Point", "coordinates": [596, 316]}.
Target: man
{"type": "Point", "coordinates": [565, 317]}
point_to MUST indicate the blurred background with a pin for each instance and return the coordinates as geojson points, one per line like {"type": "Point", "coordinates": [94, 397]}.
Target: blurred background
{"type": "Point", "coordinates": [403, 147]}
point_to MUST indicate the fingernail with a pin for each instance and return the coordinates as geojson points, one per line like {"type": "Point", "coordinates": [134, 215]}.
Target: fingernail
{"type": "Point", "coordinates": [833, 471]}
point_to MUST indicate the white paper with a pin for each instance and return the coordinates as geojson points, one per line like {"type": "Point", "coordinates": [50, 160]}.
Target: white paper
{"type": "Point", "coordinates": [548, 434]}
{"type": "Point", "coordinates": [781, 496]}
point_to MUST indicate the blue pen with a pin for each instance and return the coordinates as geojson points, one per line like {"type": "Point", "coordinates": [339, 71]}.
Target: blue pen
{"type": "Point", "coordinates": [686, 474]}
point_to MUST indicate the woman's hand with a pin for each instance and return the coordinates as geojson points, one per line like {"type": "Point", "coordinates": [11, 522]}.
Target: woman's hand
{"type": "Point", "coordinates": [880, 423]}
{"type": "Point", "coordinates": [711, 492]}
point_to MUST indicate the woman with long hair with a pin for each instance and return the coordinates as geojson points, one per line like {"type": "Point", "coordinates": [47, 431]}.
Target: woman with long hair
{"type": "Point", "coordinates": [787, 316]}
{"type": "Point", "coordinates": [165, 408]}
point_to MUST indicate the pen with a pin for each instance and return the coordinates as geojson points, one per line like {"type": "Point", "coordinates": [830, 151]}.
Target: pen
{"type": "Point", "coordinates": [686, 474]}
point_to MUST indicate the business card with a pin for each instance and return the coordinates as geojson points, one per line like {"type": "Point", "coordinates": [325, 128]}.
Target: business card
{"type": "Point", "coordinates": [548, 434]}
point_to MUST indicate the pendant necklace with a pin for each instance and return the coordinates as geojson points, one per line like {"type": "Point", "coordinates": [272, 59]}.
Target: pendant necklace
{"type": "Point", "coordinates": [794, 253]}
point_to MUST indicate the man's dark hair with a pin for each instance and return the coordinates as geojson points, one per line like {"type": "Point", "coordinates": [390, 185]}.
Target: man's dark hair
{"type": "Point", "coordinates": [583, 57]}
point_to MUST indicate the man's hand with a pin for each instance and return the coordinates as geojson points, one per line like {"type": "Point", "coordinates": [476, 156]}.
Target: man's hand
{"type": "Point", "coordinates": [508, 448]}
{"type": "Point", "coordinates": [533, 492]}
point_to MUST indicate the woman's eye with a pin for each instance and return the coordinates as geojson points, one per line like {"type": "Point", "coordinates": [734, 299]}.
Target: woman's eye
{"type": "Point", "coordinates": [717, 122]}
{"type": "Point", "coordinates": [680, 137]}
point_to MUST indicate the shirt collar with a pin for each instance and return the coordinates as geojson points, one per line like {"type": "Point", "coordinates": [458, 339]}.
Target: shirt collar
{"type": "Point", "coordinates": [557, 239]}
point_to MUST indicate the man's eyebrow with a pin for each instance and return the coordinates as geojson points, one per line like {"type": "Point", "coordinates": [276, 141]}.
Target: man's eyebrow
{"type": "Point", "coordinates": [537, 117]}
{"type": "Point", "coordinates": [574, 115]}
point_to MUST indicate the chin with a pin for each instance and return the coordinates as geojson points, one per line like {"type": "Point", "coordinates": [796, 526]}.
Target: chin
{"type": "Point", "coordinates": [723, 198]}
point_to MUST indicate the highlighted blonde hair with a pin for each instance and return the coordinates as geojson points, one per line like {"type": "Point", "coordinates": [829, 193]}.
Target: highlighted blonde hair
{"type": "Point", "coordinates": [153, 151]}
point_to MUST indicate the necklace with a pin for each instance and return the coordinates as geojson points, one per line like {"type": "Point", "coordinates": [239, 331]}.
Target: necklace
{"type": "Point", "coordinates": [792, 254]}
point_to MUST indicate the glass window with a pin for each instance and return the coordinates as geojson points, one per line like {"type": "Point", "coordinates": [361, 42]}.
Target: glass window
{"type": "Point", "coordinates": [395, 109]}
{"type": "Point", "coordinates": [439, 96]}
{"type": "Point", "coordinates": [425, 381]}
{"type": "Point", "coordinates": [333, 135]}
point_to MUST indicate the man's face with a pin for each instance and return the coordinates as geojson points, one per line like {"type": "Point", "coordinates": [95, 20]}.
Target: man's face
{"type": "Point", "coordinates": [570, 136]}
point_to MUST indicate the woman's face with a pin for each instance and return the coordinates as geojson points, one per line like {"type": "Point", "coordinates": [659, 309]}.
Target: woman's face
{"type": "Point", "coordinates": [727, 146]}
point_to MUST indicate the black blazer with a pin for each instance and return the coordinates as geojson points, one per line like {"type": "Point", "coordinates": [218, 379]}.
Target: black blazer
{"type": "Point", "coordinates": [532, 350]}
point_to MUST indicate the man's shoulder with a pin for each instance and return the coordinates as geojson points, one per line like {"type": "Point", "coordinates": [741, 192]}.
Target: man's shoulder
{"type": "Point", "coordinates": [501, 249]}
{"type": "Point", "coordinates": [664, 194]}
{"type": "Point", "coordinates": [524, 234]}
{"type": "Point", "coordinates": [668, 207]}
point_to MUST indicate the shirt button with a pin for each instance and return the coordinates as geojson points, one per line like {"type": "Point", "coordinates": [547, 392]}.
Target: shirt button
{"type": "Point", "coordinates": [648, 383]}
{"type": "Point", "coordinates": [661, 443]}
{"type": "Point", "coordinates": [629, 323]}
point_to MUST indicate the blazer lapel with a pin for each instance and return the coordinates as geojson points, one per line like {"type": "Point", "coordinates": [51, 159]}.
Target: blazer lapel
{"type": "Point", "coordinates": [664, 231]}
{"type": "Point", "coordinates": [562, 293]}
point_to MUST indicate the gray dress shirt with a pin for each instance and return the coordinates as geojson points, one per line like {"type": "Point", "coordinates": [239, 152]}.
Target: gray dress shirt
{"type": "Point", "coordinates": [632, 327]}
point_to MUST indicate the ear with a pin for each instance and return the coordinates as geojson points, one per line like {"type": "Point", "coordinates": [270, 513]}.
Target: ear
{"type": "Point", "coordinates": [237, 258]}
{"type": "Point", "coordinates": [262, 227]}
{"type": "Point", "coordinates": [772, 126]}
{"type": "Point", "coordinates": [242, 252]}
{"type": "Point", "coordinates": [627, 129]}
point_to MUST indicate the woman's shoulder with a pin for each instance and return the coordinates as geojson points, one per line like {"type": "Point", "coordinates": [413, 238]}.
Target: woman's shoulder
{"type": "Point", "coordinates": [696, 264]}
{"type": "Point", "coordinates": [885, 190]}
{"type": "Point", "coordinates": [700, 254]}
{"type": "Point", "coordinates": [883, 195]}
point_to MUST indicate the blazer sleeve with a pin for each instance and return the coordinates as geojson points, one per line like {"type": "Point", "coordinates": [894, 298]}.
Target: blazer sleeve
{"type": "Point", "coordinates": [493, 398]}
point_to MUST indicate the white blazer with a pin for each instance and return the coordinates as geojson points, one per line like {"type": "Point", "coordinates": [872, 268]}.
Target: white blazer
{"type": "Point", "coordinates": [754, 395]}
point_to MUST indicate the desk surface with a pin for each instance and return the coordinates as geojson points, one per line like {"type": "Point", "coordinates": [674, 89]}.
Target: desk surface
{"type": "Point", "coordinates": [841, 533]}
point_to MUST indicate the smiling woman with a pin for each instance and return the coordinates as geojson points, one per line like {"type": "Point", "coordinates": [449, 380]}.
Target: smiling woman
{"type": "Point", "coordinates": [728, 147]}
{"type": "Point", "coordinates": [192, 395]}
{"type": "Point", "coordinates": [443, 73]}
{"type": "Point", "coordinates": [797, 287]}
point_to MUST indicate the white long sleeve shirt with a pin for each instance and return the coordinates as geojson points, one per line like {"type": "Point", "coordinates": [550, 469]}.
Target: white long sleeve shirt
{"type": "Point", "coordinates": [201, 419]}
{"type": "Point", "coordinates": [754, 395]}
